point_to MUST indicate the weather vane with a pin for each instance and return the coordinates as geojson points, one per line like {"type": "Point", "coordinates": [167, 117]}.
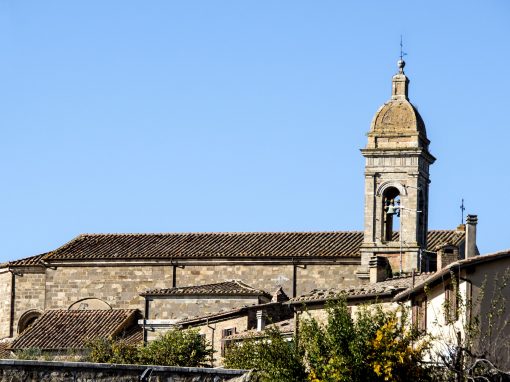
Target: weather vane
{"type": "Point", "coordinates": [401, 62]}
{"type": "Point", "coordinates": [462, 209]}
{"type": "Point", "coordinates": [402, 53]}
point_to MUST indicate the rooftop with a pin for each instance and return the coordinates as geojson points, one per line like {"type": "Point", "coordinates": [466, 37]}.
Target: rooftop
{"type": "Point", "coordinates": [170, 246]}
{"type": "Point", "coordinates": [71, 329]}
{"type": "Point", "coordinates": [388, 288]}
{"type": "Point", "coordinates": [226, 288]}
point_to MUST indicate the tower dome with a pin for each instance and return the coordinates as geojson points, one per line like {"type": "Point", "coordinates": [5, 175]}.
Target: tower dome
{"type": "Point", "coordinates": [398, 118]}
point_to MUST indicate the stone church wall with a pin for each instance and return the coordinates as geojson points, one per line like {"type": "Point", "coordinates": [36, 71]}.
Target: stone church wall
{"type": "Point", "coordinates": [119, 286]}
{"type": "Point", "coordinates": [29, 294]}
{"type": "Point", "coordinates": [5, 302]}
{"type": "Point", "coordinates": [269, 277]}
{"type": "Point", "coordinates": [265, 277]}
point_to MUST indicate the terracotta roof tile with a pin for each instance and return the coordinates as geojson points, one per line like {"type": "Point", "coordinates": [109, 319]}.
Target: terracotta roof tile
{"type": "Point", "coordinates": [390, 286]}
{"type": "Point", "coordinates": [285, 327]}
{"type": "Point", "coordinates": [222, 245]}
{"type": "Point", "coordinates": [28, 261]}
{"type": "Point", "coordinates": [71, 329]}
{"type": "Point", "coordinates": [5, 349]}
{"type": "Point", "coordinates": [227, 288]}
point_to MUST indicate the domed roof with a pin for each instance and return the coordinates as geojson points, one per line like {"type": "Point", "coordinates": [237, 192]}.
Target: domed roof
{"type": "Point", "coordinates": [398, 116]}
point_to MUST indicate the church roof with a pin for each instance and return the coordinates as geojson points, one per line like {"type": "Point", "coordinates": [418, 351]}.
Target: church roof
{"type": "Point", "coordinates": [160, 246]}
{"type": "Point", "coordinates": [71, 329]}
{"type": "Point", "coordinates": [227, 288]}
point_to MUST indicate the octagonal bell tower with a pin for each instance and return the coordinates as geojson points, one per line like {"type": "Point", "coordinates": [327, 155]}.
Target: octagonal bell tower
{"type": "Point", "coordinates": [397, 161]}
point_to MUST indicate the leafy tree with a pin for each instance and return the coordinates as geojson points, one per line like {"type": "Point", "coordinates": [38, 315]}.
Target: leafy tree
{"type": "Point", "coordinates": [177, 348]}
{"type": "Point", "coordinates": [275, 358]}
{"type": "Point", "coordinates": [104, 350]}
{"type": "Point", "coordinates": [374, 346]}
{"type": "Point", "coordinates": [173, 348]}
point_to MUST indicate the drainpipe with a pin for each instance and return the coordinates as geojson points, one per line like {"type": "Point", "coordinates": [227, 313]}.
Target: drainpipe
{"type": "Point", "coordinates": [213, 329]}
{"type": "Point", "coordinates": [13, 299]}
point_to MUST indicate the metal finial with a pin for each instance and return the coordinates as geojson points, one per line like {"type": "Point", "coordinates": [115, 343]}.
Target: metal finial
{"type": "Point", "coordinates": [401, 63]}
{"type": "Point", "coordinates": [462, 209]}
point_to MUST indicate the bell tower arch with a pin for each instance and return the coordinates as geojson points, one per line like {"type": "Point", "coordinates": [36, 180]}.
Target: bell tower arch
{"type": "Point", "coordinates": [397, 161]}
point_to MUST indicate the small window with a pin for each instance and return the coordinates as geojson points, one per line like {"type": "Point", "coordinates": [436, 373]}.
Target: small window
{"type": "Point", "coordinates": [419, 314]}
{"type": "Point", "coordinates": [226, 343]}
{"type": "Point", "coordinates": [451, 304]}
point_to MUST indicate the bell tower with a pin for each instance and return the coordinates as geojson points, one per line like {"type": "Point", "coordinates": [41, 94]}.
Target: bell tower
{"type": "Point", "coordinates": [397, 161]}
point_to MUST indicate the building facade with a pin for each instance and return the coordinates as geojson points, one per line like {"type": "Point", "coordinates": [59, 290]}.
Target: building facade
{"type": "Point", "coordinates": [110, 271]}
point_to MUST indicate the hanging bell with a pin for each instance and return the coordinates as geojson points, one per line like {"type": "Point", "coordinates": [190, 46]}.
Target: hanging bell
{"type": "Point", "coordinates": [391, 210]}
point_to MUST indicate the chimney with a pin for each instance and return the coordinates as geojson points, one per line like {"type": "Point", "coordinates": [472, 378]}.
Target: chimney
{"type": "Point", "coordinates": [378, 269]}
{"type": "Point", "coordinates": [471, 222]}
{"type": "Point", "coordinates": [261, 320]}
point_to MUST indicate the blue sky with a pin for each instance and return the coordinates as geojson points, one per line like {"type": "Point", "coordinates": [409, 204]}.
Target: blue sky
{"type": "Point", "coordinates": [175, 116]}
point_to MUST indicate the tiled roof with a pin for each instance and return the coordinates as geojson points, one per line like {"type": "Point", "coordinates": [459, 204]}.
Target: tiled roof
{"type": "Point", "coordinates": [445, 272]}
{"type": "Point", "coordinates": [222, 245]}
{"type": "Point", "coordinates": [4, 349]}
{"type": "Point", "coordinates": [285, 327]}
{"type": "Point", "coordinates": [227, 288]}
{"type": "Point", "coordinates": [27, 261]}
{"type": "Point", "coordinates": [388, 287]}
{"type": "Point", "coordinates": [71, 329]}
{"type": "Point", "coordinates": [225, 313]}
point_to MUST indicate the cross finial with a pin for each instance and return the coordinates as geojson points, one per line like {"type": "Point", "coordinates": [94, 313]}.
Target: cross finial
{"type": "Point", "coordinates": [462, 209]}
{"type": "Point", "coordinates": [401, 62]}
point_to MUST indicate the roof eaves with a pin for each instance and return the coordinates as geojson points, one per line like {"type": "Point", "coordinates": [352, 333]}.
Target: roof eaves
{"type": "Point", "coordinates": [451, 268]}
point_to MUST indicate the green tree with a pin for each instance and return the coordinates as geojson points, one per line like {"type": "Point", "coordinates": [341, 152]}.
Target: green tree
{"type": "Point", "coordinates": [374, 346]}
{"type": "Point", "coordinates": [173, 348]}
{"type": "Point", "coordinates": [177, 348]}
{"type": "Point", "coordinates": [274, 358]}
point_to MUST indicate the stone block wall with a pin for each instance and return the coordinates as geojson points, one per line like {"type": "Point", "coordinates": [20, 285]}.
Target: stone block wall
{"type": "Point", "coordinates": [174, 308]}
{"type": "Point", "coordinates": [119, 286]}
{"type": "Point", "coordinates": [5, 302]}
{"type": "Point", "coordinates": [265, 277]}
{"type": "Point", "coordinates": [36, 371]}
{"type": "Point", "coordinates": [29, 293]}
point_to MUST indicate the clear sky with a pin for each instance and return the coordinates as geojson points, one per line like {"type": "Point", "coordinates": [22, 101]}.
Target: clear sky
{"type": "Point", "coordinates": [176, 116]}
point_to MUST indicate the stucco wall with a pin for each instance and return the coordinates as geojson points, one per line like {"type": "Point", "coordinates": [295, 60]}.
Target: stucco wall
{"type": "Point", "coordinates": [491, 303]}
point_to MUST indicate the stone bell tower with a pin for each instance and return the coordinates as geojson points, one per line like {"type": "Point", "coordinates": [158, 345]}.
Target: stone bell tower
{"type": "Point", "coordinates": [397, 161]}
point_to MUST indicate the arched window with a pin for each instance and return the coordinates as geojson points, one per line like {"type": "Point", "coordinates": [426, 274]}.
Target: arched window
{"type": "Point", "coordinates": [391, 216]}
{"type": "Point", "coordinates": [27, 319]}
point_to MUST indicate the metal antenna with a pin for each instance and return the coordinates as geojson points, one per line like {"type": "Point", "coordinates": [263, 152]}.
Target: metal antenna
{"type": "Point", "coordinates": [462, 209]}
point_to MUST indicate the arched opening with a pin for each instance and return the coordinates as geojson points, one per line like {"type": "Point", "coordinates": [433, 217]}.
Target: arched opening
{"type": "Point", "coordinates": [27, 319]}
{"type": "Point", "coordinates": [90, 304]}
{"type": "Point", "coordinates": [391, 208]}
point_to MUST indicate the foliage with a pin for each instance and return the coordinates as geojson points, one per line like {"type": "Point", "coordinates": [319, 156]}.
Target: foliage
{"type": "Point", "coordinates": [177, 348]}
{"type": "Point", "coordinates": [173, 348]}
{"type": "Point", "coordinates": [30, 353]}
{"type": "Point", "coordinates": [275, 358]}
{"type": "Point", "coordinates": [375, 346]}
{"type": "Point", "coordinates": [104, 350]}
